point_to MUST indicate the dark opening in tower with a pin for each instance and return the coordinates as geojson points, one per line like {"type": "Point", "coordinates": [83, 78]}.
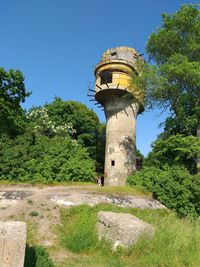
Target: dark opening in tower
{"type": "Point", "coordinates": [112, 163]}
{"type": "Point", "coordinates": [106, 77]}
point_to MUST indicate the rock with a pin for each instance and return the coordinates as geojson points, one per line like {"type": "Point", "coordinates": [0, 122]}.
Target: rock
{"type": "Point", "coordinates": [12, 243]}
{"type": "Point", "coordinates": [121, 229]}
{"type": "Point", "coordinates": [79, 198]}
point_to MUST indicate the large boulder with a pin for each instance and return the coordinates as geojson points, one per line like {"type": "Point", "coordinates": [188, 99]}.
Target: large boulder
{"type": "Point", "coordinates": [12, 243]}
{"type": "Point", "coordinates": [121, 229]}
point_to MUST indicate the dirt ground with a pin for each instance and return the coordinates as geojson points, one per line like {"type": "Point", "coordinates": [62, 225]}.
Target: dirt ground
{"type": "Point", "coordinates": [39, 207]}
{"type": "Point", "coordinates": [36, 206]}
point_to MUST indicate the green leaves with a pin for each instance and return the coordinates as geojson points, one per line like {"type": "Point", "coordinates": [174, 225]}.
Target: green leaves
{"type": "Point", "coordinates": [44, 161]}
{"type": "Point", "coordinates": [12, 93]}
{"type": "Point", "coordinates": [172, 186]}
{"type": "Point", "coordinates": [180, 33]}
{"type": "Point", "coordinates": [173, 83]}
{"type": "Point", "coordinates": [176, 150]}
{"type": "Point", "coordinates": [88, 129]}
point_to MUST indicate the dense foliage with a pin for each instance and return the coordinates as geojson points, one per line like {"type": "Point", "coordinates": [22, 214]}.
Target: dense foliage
{"type": "Point", "coordinates": [37, 257]}
{"type": "Point", "coordinates": [172, 81]}
{"type": "Point", "coordinates": [172, 84]}
{"type": "Point", "coordinates": [12, 93]}
{"type": "Point", "coordinates": [173, 186]}
{"type": "Point", "coordinates": [57, 142]}
{"type": "Point", "coordinates": [38, 158]}
{"type": "Point", "coordinates": [89, 132]}
{"type": "Point", "coordinates": [176, 150]}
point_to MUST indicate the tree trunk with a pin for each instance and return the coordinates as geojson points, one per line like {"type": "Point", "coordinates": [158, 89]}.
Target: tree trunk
{"type": "Point", "coordinates": [198, 158]}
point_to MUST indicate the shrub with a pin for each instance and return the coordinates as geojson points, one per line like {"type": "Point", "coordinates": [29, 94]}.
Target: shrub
{"type": "Point", "coordinates": [34, 213]}
{"type": "Point", "coordinates": [194, 186]}
{"type": "Point", "coordinates": [37, 257]}
{"type": "Point", "coordinates": [145, 178]}
{"type": "Point", "coordinates": [176, 150]}
{"type": "Point", "coordinates": [172, 186]}
{"type": "Point", "coordinates": [40, 159]}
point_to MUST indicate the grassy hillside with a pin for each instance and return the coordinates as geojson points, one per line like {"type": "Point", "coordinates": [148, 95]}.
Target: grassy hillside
{"type": "Point", "coordinates": [176, 241]}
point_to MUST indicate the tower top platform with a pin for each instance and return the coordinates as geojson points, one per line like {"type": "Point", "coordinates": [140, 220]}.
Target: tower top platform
{"type": "Point", "coordinates": [121, 54]}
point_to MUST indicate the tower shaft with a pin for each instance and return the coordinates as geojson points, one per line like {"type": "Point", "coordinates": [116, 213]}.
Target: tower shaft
{"type": "Point", "coordinates": [120, 140]}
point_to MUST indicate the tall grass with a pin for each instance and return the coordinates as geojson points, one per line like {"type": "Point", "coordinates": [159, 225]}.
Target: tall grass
{"type": "Point", "coordinates": [176, 241]}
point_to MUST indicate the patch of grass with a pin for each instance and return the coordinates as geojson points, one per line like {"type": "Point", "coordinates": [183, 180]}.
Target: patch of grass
{"type": "Point", "coordinates": [37, 256]}
{"type": "Point", "coordinates": [30, 201]}
{"type": "Point", "coordinates": [123, 190]}
{"type": "Point", "coordinates": [81, 227]}
{"type": "Point", "coordinates": [176, 241]}
{"type": "Point", "coordinates": [33, 213]}
{"type": "Point", "coordinates": [32, 233]}
{"type": "Point", "coordinates": [53, 183]}
{"type": "Point", "coordinates": [73, 183]}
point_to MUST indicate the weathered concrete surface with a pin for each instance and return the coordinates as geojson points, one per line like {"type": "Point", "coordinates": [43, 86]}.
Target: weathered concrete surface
{"type": "Point", "coordinates": [79, 198]}
{"type": "Point", "coordinates": [120, 140]}
{"type": "Point", "coordinates": [14, 194]}
{"type": "Point", "coordinates": [12, 243]}
{"type": "Point", "coordinates": [121, 229]}
{"type": "Point", "coordinates": [122, 103]}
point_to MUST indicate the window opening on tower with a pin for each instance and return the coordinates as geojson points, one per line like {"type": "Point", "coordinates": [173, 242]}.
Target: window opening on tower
{"type": "Point", "coordinates": [106, 77]}
{"type": "Point", "coordinates": [112, 163]}
{"type": "Point", "coordinates": [113, 54]}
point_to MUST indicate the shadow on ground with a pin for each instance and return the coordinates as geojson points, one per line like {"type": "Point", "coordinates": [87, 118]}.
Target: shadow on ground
{"type": "Point", "coordinates": [37, 257]}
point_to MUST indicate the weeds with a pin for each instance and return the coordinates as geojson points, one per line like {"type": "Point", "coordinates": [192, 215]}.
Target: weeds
{"type": "Point", "coordinates": [176, 241]}
{"type": "Point", "coordinates": [33, 213]}
{"type": "Point", "coordinates": [30, 201]}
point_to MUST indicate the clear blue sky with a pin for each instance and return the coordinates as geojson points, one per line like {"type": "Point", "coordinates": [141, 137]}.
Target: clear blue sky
{"type": "Point", "coordinates": [57, 43]}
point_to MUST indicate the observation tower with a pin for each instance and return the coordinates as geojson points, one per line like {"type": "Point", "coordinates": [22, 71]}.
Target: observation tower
{"type": "Point", "coordinates": [122, 102]}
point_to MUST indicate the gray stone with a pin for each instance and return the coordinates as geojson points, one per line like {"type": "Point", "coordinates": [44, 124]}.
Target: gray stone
{"type": "Point", "coordinates": [12, 243]}
{"type": "Point", "coordinates": [79, 198]}
{"type": "Point", "coordinates": [121, 229]}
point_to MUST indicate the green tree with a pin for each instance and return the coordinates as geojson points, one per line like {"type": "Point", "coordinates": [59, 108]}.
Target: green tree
{"type": "Point", "coordinates": [42, 124]}
{"type": "Point", "coordinates": [175, 150]}
{"type": "Point", "coordinates": [12, 94]}
{"type": "Point", "coordinates": [41, 159]}
{"type": "Point", "coordinates": [172, 186]}
{"type": "Point", "coordinates": [172, 82]}
{"type": "Point", "coordinates": [88, 130]}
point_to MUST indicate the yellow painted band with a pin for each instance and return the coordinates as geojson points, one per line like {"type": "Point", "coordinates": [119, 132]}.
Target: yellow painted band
{"type": "Point", "coordinates": [114, 66]}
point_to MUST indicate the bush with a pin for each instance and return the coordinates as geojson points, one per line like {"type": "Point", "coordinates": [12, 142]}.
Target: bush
{"type": "Point", "coordinates": [172, 186]}
{"type": "Point", "coordinates": [33, 213]}
{"type": "Point", "coordinates": [37, 257]}
{"type": "Point", "coordinates": [194, 187]}
{"type": "Point", "coordinates": [176, 150]}
{"type": "Point", "coordinates": [145, 178]}
{"type": "Point", "coordinates": [40, 159]}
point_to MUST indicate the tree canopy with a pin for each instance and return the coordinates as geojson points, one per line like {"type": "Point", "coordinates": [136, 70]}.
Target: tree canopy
{"type": "Point", "coordinates": [172, 81]}
{"type": "Point", "coordinates": [171, 78]}
{"type": "Point", "coordinates": [12, 94]}
{"type": "Point", "coordinates": [88, 131]}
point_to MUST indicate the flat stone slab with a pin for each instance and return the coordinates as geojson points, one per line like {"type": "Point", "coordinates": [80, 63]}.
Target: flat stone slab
{"type": "Point", "coordinates": [94, 199]}
{"type": "Point", "coordinates": [121, 229]}
{"type": "Point", "coordinates": [12, 243]}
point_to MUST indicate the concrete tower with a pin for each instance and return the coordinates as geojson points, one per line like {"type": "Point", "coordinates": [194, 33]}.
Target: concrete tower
{"type": "Point", "coordinates": [122, 102]}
